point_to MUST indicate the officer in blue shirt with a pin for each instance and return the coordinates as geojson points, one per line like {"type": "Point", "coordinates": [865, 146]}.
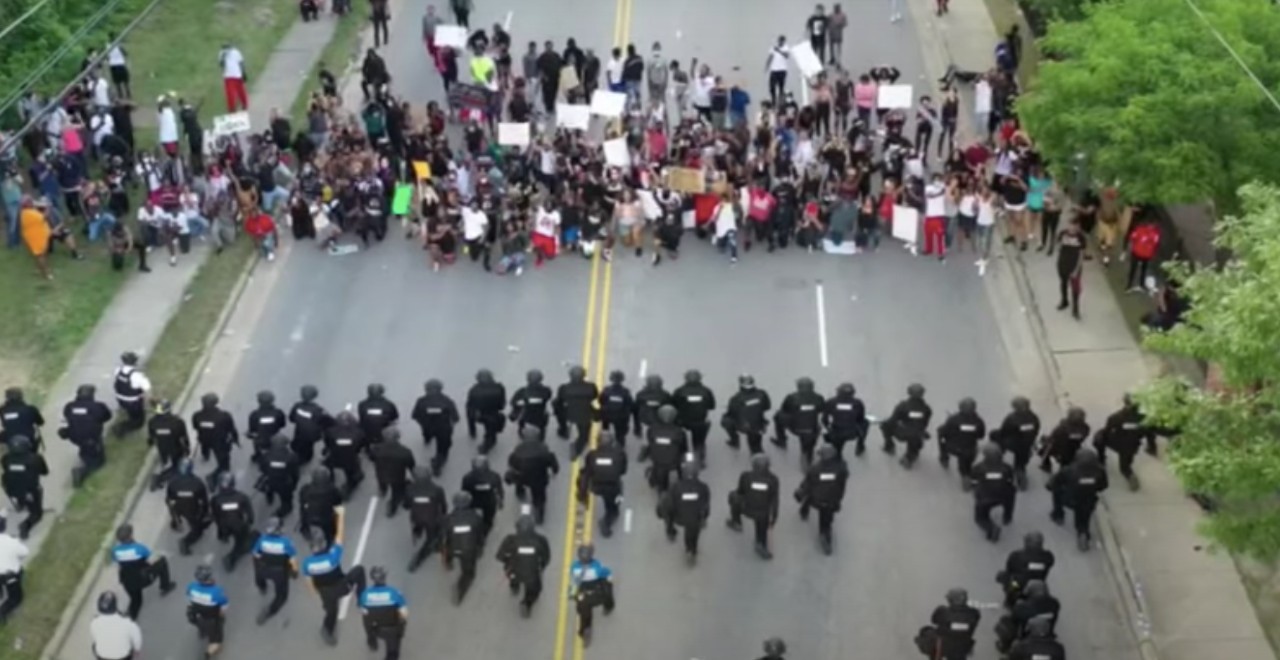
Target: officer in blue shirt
{"type": "Point", "coordinates": [328, 580]}
{"type": "Point", "coordinates": [137, 569]}
{"type": "Point", "coordinates": [385, 613]}
{"type": "Point", "coordinates": [275, 562]}
{"type": "Point", "coordinates": [592, 587]}
{"type": "Point", "coordinates": [206, 609]}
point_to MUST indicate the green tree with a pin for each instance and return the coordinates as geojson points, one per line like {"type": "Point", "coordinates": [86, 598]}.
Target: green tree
{"type": "Point", "coordinates": [1229, 446]}
{"type": "Point", "coordinates": [1056, 10]}
{"type": "Point", "coordinates": [1146, 91]}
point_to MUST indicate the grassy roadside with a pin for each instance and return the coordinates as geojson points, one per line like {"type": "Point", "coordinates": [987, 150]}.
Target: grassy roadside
{"type": "Point", "coordinates": [340, 52]}
{"type": "Point", "coordinates": [73, 543]}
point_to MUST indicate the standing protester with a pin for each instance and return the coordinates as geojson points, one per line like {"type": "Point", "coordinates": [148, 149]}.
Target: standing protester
{"type": "Point", "coordinates": [549, 65]}
{"type": "Point", "coordinates": [1071, 245]}
{"type": "Point", "coordinates": [837, 21]}
{"type": "Point", "coordinates": [19, 418]}
{"type": "Point", "coordinates": [118, 63]}
{"type": "Point", "coordinates": [86, 419]}
{"type": "Point", "coordinates": [816, 27]}
{"type": "Point", "coordinates": [137, 569]}
{"type": "Point", "coordinates": [524, 556]}
{"type": "Point", "coordinates": [592, 588]}
{"type": "Point", "coordinates": [12, 553]}
{"type": "Point", "coordinates": [114, 636]}
{"type": "Point", "coordinates": [233, 78]}
{"type": "Point", "coordinates": [23, 468]}
{"type": "Point", "coordinates": [380, 16]}
{"type": "Point", "coordinates": [385, 613]}
{"type": "Point", "coordinates": [462, 11]}
{"type": "Point", "coordinates": [131, 387]}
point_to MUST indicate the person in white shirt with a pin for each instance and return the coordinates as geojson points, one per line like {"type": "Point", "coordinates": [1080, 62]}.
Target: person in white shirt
{"type": "Point", "coordinates": [158, 227]}
{"type": "Point", "coordinates": [982, 104]}
{"type": "Point", "coordinates": [101, 124]}
{"type": "Point", "coordinates": [167, 126]}
{"type": "Point", "coordinates": [101, 92]}
{"type": "Point", "coordinates": [119, 64]}
{"type": "Point", "coordinates": [546, 232]}
{"type": "Point", "coordinates": [613, 72]}
{"type": "Point", "coordinates": [702, 92]}
{"type": "Point", "coordinates": [935, 218]}
{"type": "Point", "coordinates": [726, 218]}
{"type": "Point", "coordinates": [191, 222]}
{"type": "Point", "coordinates": [12, 553]}
{"type": "Point", "coordinates": [475, 228]}
{"type": "Point", "coordinates": [233, 78]}
{"type": "Point", "coordinates": [986, 226]}
{"type": "Point", "coordinates": [113, 635]}
{"type": "Point", "coordinates": [776, 64]}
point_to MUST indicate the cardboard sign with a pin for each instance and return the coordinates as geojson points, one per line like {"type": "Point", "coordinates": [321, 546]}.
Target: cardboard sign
{"type": "Point", "coordinates": [616, 152]}
{"type": "Point", "coordinates": [906, 224]}
{"type": "Point", "coordinates": [608, 104]}
{"type": "Point", "coordinates": [421, 170]}
{"type": "Point", "coordinates": [890, 97]}
{"type": "Point", "coordinates": [569, 78]}
{"type": "Point", "coordinates": [230, 124]}
{"type": "Point", "coordinates": [806, 60]}
{"type": "Point", "coordinates": [573, 117]}
{"type": "Point", "coordinates": [513, 135]}
{"type": "Point", "coordinates": [451, 36]}
{"type": "Point", "coordinates": [686, 180]}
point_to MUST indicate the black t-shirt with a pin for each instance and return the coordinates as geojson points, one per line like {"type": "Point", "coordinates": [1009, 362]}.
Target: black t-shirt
{"type": "Point", "coordinates": [549, 66]}
{"type": "Point", "coordinates": [817, 26]}
{"type": "Point", "coordinates": [633, 69]}
{"type": "Point", "coordinates": [1014, 194]}
{"type": "Point", "coordinates": [1070, 250]}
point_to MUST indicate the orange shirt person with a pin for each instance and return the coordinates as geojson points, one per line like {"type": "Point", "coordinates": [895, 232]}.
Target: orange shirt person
{"type": "Point", "coordinates": [37, 234]}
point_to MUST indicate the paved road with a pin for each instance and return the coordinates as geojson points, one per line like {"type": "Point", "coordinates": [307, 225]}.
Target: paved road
{"type": "Point", "coordinates": [904, 538]}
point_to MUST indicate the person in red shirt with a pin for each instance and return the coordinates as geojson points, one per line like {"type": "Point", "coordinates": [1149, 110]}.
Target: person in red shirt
{"type": "Point", "coordinates": [1144, 241]}
{"type": "Point", "coordinates": [263, 230]}
{"type": "Point", "coordinates": [761, 204]}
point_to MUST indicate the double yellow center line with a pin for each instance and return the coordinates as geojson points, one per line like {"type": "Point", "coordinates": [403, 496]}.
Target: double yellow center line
{"type": "Point", "coordinates": [579, 523]}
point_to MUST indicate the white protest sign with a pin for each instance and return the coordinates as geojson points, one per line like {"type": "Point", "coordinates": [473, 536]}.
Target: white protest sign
{"type": "Point", "coordinates": [806, 60]}
{"type": "Point", "coordinates": [906, 221]}
{"type": "Point", "coordinates": [573, 117]}
{"type": "Point", "coordinates": [616, 152]}
{"type": "Point", "coordinates": [513, 135]}
{"type": "Point", "coordinates": [652, 211]}
{"type": "Point", "coordinates": [891, 97]}
{"type": "Point", "coordinates": [608, 104]}
{"type": "Point", "coordinates": [451, 36]}
{"type": "Point", "coordinates": [230, 124]}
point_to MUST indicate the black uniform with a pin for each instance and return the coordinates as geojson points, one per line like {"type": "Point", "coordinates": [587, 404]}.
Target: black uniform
{"type": "Point", "coordinates": [86, 420]}
{"type": "Point", "coordinates": [264, 423]}
{"type": "Point", "coordinates": [463, 538]}
{"type": "Point", "coordinates": [524, 556]}
{"type": "Point", "coordinates": [1017, 435]}
{"type": "Point", "coordinates": [280, 467]}
{"type": "Point", "coordinates": [310, 422]}
{"type": "Point", "coordinates": [687, 504]}
{"type": "Point", "coordinates": [532, 465]}
{"type": "Point", "coordinates": [376, 413]}
{"type": "Point", "coordinates": [1021, 567]}
{"type": "Point", "coordinates": [666, 447]}
{"type": "Point", "coordinates": [1078, 487]}
{"type": "Point", "coordinates": [649, 399]}
{"type": "Point", "coordinates": [601, 475]}
{"type": "Point", "coordinates": [22, 471]}
{"type": "Point", "coordinates": [487, 494]}
{"type": "Point", "coordinates": [343, 445]}
{"type": "Point", "coordinates": [959, 437]}
{"type": "Point", "coordinates": [437, 414]}
{"type": "Point", "coordinates": [1063, 442]}
{"type": "Point", "coordinates": [1123, 433]}
{"type": "Point", "coordinates": [617, 410]}
{"type": "Point", "coordinates": [909, 423]}
{"type": "Point", "coordinates": [215, 433]}
{"type": "Point", "coordinates": [319, 504]}
{"type": "Point", "coordinates": [747, 414]}
{"type": "Point", "coordinates": [694, 403]}
{"type": "Point", "coordinates": [994, 486]}
{"type": "Point", "coordinates": [801, 414]}
{"type": "Point", "coordinates": [756, 497]}
{"type": "Point", "coordinates": [233, 516]}
{"type": "Point", "coordinates": [845, 418]}
{"type": "Point", "coordinates": [130, 398]}
{"type": "Point", "coordinates": [529, 406]}
{"type": "Point", "coordinates": [20, 419]}
{"type": "Point", "coordinates": [574, 405]}
{"type": "Point", "coordinates": [485, 403]}
{"type": "Point", "coordinates": [187, 497]}
{"type": "Point", "coordinates": [427, 511]}
{"type": "Point", "coordinates": [1038, 648]}
{"type": "Point", "coordinates": [823, 489]}
{"type": "Point", "coordinates": [167, 432]}
{"type": "Point", "coordinates": [956, 626]}
{"type": "Point", "coordinates": [1013, 626]}
{"type": "Point", "coordinates": [392, 465]}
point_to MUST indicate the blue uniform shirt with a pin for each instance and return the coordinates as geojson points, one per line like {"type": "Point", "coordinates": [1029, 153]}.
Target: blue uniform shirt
{"type": "Point", "coordinates": [206, 595]}
{"type": "Point", "coordinates": [124, 553]}
{"type": "Point", "coordinates": [592, 571]}
{"type": "Point", "coordinates": [323, 563]}
{"type": "Point", "coordinates": [273, 544]}
{"type": "Point", "coordinates": [376, 597]}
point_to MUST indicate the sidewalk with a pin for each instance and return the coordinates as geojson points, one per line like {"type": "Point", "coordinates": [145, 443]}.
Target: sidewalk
{"type": "Point", "coordinates": [1184, 603]}
{"type": "Point", "coordinates": [137, 316]}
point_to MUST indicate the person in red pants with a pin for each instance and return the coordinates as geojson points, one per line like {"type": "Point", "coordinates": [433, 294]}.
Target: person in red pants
{"type": "Point", "coordinates": [935, 218]}
{"type": "Point", "coordinates": [233, 78]}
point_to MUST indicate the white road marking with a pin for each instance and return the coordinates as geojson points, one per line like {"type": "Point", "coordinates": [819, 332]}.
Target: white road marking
{"type": "Point", "coordinates": [506, 25]}
{"type": "Point", "coordinates": [644, 368]}
{"type": "Point", "coordinates": [626, 522]}
{"type": "Point", "coordinates": [360, 546]}
{"type": "Point", "coordinates": [822, 324]}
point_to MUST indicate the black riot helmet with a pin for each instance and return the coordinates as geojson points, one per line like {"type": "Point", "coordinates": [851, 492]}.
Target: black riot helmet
{"type": "Point", "coordinates": [915, 391]}
{"type": "Point", "coordinates": [186, 466]}
{"type": "Point", "coordinates": [226, 482]}
{"type": "Point", "coordinates": [273, 526]}
{"type": "Point", "coordinates": [617, 377]}
{"type": "Point", "coordinates": [461, 500]}
{"type": "Point", "coordinates": [85, 392]}
{"type": "Point", "coordinates": [747, 382]}
{"type": "Point", "coordinates": [760, 463]}
{"type": "Point", "coordinates": [1021, 404]}
{"type": "Point", "coordinates": [804, 385]}
{"type": "Point", "coordinates": [164, 407]}
{"type": "Point", "coordinates": [845, 389]}
{"type": "Point", "coordinates": [480, 463]}
{"type": "Point", "coordinates": [957, 597]}
{"type": "Point", "coordinates": [1075, 414]}
{"type": "Point", "coordinates": [129, 358]}
{"type": "Point", "coordinates": [667, 414]}
{"type": "Point", "coordinates": [318, 541]}
{"type": "Point", "coordinates": [968, 406]}
{"type": "Point", "coordinates": [391, 435]}
{"type": "Point", "coordinates": [321, 476]}
{"type": "Point", "coordinates": [309, 393]}
{"type": "Point", "coordinates": [992, 452]}
{"type": "Point", "coordinates": [124, 533]}
{"type": "Point", "coordinates": [577, 374]}
{"type": "Point", "coordinates": [266, 398]}
{"type": "Point", "coordinates": [534, 377]}
{"type": "Point", "coordinates": [13, 395]}
{"type": "Point", "coordinates": [693, 377]}
{"type": "Point", "coordinates": [826, 452]}
{"type": "Point", "coordinates": [586, 553]}
{"type": "Point", "coordinates": [107, 603]}
{"type": "Point", "coordinates": [1033, 541]}
{"type": "Point", "coordinates": [434, 386]}
{"type": "Point", "coordinates": [530, 434]}
{"type": "Point", "coordinates": [525, 524]}
{"type": "Point", "coordinates": [653, 382]}
{"type": "Point", "coordinates": [774, 647]}
{"type": "Point", "coordinates": [204, 574]}
{"type": "Point", "coordinates": [484, 376]}
{"type": "Point", "coordinates": [1128, 400]}
{"type": "Point", "coordinates": [422, 474]}
{"type": "Point", "coordinates": [209, 401]}
{"type": "Point", "coordinates": [608, 440]}
{"type": "Point", "coordinates": [376, 390]}
{"type": "Point", "coordinates": [378, 575]}
{"type": "Point", "coordinates": [280, 441]}
{"type": "Point", "coordinates": [20, 444]}
{"type": "Point", "coordinates": [345, 418]}
{"type": "Point", "coordinates": [689, 470]}
{"type": "Point", "coordinates": [1086, 457]}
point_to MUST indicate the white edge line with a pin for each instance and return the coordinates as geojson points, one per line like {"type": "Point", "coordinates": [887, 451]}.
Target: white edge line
{"type": "Point", "coordinates": [365, 529]}
{"type": "Point", "coordinates": [822, 325]}
{"type": "Point", "coordinates": [644, 368]}
{"type": "Point", "coordinates": [626, 522]}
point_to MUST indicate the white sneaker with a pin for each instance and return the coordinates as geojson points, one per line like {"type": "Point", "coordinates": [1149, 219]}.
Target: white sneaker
{"type": "Point", "coordinates": [173, 260]}
{"type": "Point", "coordinates": [982, 268]}
{"type": "Point", "coordinates": [519, 271]}
{"type": "Point", "coordinates": [733, 260]}
{"type": "Point", "coordinates": [271, 256]}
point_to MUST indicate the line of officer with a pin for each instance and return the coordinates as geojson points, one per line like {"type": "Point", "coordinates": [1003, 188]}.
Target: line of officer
{"type": "Point", "coordinates": [601, 475]}
{"type": "Point", "coordinates": [274, 563]}
{"type": "Point", "coordinates": [329, 581]}
{"type": "Point", "coordinates": [1030, 562]}
{"type": "Point", "coordinates": [207, 609]}
{"type": "Point", "coordinates": [216, 433]}
{"type": "Point", "coordinates": [310, 423]}
{"type": "Point", "coordinates": [131, 387]}
{"type": "Point", "coordinates": [592, 588]}
{"type": "Point", "coordinates": [747, 414]}
{"type": "Point", "coordinates": [756, 497]}
{"type": "Point", "coordinates": [427, 511]}
{"type": "Point", "coordinates": [954, 625]}
{"type": "Point", "coordinates": [376, 413]}
{"type": "Point", "coordinates": [463, 539]}
{"type": "Point", "coordinates": [525, 555]}
{"type": "Point", "coordinates": [385, 614]}
{"type": "Point", "coordinates": [993, 486]}
{"type": "Point", "coordinates": [1017, 435]}
{"type": "Point", "coordinates": [1078, 487]}
{"type": "Point", "coordinates": [529, 403]}
{"type": "Point", "coordinates": [486, 401]}
{"type": "Point", "coordinates": [484, 485]}
{"type": "Point", "coordinates": [908, 424]}
{"type": "Point", "coordinates": [1065, 440]}
{"type": "Point", "coordinates": [392, 465]}
{"type": "Point", "coordinates": [437, 415]}
{"type": "Point", "coordinates": [801, 414]}
{"type": "Point", "coordinates": [845, 418]}
{"type": "Point", "coordinates": [233, 519]}
{"type": "Point", "coordinates": [574, 404]}
{"type": "Point", "coordinates": [344, 443]}
{"type": "Point", "coordinates": [959, 436]}
{"type": "Point", "coordinates": [138, 570]}
{"type": "Point", "coordinates": [648, 401]}
{"type": "Point", "coordinates": [618, 407]}
{"type": "Point", "coordinates": [667, 443]}
{"type": "Point", "coordinates": [86, 419]}
{"type": "Point", "coordinates": [823, 488]}
{"type": "Point", "coordinates": [280, 475]}
{"type": "Point", "coordinates": [187, 498]}
{"type": "Point", "coordinates": [167, 432]}
{"type": "Point", "coordinates": [263, 424]}
{"type": "Point", "coordinates": [19, 418]}
{"type": "Point", "coordinates": [23, 468]}
{"type": "Point", "coordinates": [1123, 434]}
{"type": "Point", "coordinates": [694, 404]}
{"type": "Point", "coordinates": [687, 504]}
{"type": "Point", "coordinates": [530, 468]}
{"type": "Point", "coordinates": [321, 502]}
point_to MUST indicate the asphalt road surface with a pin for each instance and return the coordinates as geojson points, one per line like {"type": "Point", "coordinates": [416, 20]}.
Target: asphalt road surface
{"type": "Point", "coordinates": [881, 321]}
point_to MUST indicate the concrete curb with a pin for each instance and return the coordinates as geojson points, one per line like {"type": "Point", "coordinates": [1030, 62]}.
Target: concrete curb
{"type": "Point", "coordinates": [81, 594]}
